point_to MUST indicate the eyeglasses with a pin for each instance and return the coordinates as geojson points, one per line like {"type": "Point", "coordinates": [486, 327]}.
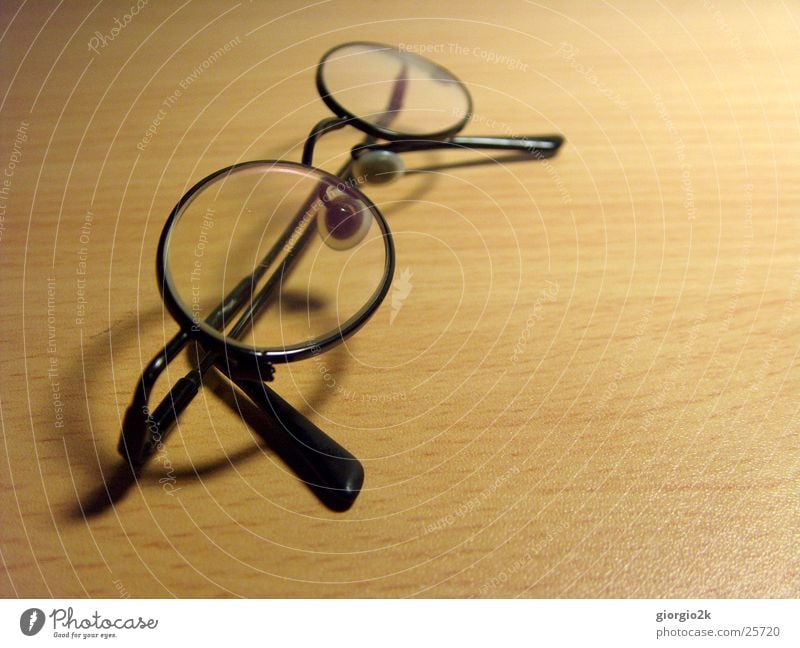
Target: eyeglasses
{"type": "Point", "coordinates": [268, 262]}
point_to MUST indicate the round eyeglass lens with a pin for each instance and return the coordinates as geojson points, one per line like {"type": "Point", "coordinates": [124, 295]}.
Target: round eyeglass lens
{"type": "Point", "coordinates": [303, 251]}
{"type": "Point", "coordinates": [391, 92]}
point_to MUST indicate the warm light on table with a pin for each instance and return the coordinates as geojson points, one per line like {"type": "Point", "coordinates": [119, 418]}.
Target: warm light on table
{"type": "Point", "coordinates": [582, 384]}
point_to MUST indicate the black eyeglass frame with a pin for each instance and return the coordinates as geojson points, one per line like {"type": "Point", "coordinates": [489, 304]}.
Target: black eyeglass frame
{"type": "Point", "coordinates": [332, 468]}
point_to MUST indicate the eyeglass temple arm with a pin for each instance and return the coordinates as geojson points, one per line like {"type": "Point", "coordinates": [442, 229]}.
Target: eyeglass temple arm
{"type": "Point", "coordinates": [326, 466]}
{"type": "Point", "coordinates": [537, 146]}
{"type": "Point", "coordinates": [138, 416]}
{"type": "Point", "coordinates": [140, 425]}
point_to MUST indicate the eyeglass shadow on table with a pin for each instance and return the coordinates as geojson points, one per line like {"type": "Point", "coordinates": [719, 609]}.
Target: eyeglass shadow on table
{"type": "Point", "coordinates": [403, 103]}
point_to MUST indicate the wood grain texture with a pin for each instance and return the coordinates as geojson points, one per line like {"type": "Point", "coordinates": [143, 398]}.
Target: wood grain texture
{"type": "Point", "coordinates": [590, 390]}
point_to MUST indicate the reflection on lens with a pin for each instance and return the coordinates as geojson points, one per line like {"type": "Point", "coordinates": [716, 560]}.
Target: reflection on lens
{"type": "Point", "coordinates": [396, 93]}
{"type": "Point", "coordinates": [304, 249]}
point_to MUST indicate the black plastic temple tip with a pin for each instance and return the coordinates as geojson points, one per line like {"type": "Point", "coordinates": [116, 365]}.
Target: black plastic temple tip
{"type": "Point", "coordinates": [553, 144]}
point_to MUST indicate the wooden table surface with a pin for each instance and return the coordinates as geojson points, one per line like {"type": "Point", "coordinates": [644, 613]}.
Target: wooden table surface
{"type": "Point", "coordinates": [587, 385]}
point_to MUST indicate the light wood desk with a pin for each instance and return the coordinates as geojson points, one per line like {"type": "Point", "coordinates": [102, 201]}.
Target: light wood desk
{"type": "Point", "coordinates": [590, 390]}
